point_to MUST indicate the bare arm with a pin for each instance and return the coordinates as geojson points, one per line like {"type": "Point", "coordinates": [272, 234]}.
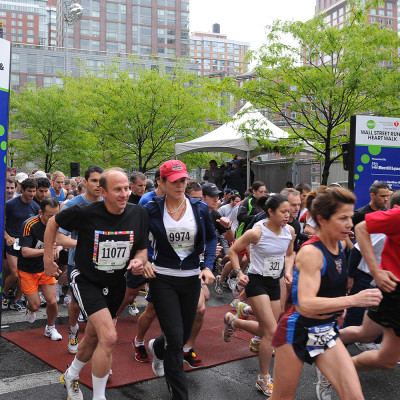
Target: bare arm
{"type": "Point", "coordinates": [252, 236]}
{"type": "Point", "coordinates": [309, 262]}
{"type": "Point", "coordinates": [289, 259]}
{"type": "Point", "coordinates": [385, 280]}
{"type": "Point", "coordinates": [27, 252]}
{"type": "Point", "coordinates": [65, 241]}
{"type": "Point", "coordinates": [50, 267]}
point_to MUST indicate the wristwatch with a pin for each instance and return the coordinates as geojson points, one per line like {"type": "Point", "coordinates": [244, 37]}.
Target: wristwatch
{"type": "Point", "coordinates": [236, 271]}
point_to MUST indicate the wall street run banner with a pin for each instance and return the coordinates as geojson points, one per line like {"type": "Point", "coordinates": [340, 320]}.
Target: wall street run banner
{"type": "Point", "coordinates": [5, 56]}
{"type": "Point", "coordinates": [377, 154]}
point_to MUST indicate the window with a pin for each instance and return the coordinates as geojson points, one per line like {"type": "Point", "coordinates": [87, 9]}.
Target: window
{"type": "Point", "coordinates": [49, 81]}
{"type": "Point", "coordinates": [30, 24]}
{"type": "Point", "coordinates": [14, 81]}
{"type": "Point", "coordinates": [32, 63]}
{"type": "Point", "coordinates": [145, 50]}
{"type": "Point", "coordinates": [389, 6]}
{"type": "Point", "coordinates": [31, 79]}
{"type": "Point", "coordinates": [15, 62]}
{"type": "Point", "coordinates": [30, 16]}
{"type": "Point", "coordinates": [52, 64]}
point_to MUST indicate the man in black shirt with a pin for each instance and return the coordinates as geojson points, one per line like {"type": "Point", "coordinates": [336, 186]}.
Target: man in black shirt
{"type": "Point", "coordinates": [42, 190]}
{"type": "Point", "coordinates": [137, 185]}
{"type": "Point", "coordinates": [380, 195]}
{"type": "Point", "coordinates": [112, 238]}
{"type": "Point", "coordinates": [31, 268]}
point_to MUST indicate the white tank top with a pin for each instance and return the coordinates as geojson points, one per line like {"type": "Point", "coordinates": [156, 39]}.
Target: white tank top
{"type": "Point", "coordinates": [267, 257]}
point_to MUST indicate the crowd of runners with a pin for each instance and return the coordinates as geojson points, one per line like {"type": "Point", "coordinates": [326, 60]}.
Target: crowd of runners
{"type": "Point", "coordinates": [308, 273]}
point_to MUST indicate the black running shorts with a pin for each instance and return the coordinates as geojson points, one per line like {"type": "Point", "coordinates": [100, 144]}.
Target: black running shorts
{"type": "Point", "coordinates": [92, 298]}
{"type": "Point", "coordinates": [259, 285]}
{"type": "Point", "coordinates": [387, 314]}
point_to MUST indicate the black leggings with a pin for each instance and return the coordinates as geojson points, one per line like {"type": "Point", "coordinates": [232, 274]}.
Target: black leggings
{"type": "Point", "coordinates": [175, 301]}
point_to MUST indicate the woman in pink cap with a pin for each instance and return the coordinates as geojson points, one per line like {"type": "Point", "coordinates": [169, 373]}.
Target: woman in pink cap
{"type": "Point", "coordinates": [181, 229]}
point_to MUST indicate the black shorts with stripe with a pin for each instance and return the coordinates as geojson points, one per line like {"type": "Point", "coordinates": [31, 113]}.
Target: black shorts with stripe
{"type": "Point", "coordinates": [92, 297]}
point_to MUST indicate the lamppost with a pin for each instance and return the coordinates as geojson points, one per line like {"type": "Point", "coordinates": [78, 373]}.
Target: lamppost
{"type": "Point", "coordinates": [72, 13]}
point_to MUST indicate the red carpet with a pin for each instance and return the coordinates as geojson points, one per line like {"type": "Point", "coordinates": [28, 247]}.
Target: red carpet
{"type": "Point", "coordinates": [126, 370]}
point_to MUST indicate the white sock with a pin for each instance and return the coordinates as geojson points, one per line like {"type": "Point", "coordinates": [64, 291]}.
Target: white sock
{"type": "Point", "coordinates": [186, 349]}
{"type": "Point", "coordinates": [99, 387]}
{"type": "Point", "coordinates": [75, 367]}
{"type": "Point", "coordinates": [138, 343]}
{"type": "Point", "coordinates": [74, 329]}
{"type": "Point", "coordinates": [50, 327]}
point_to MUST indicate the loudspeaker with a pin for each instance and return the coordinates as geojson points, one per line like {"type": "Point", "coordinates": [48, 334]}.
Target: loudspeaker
{"type": "Point", "coordinates": [75, 169]}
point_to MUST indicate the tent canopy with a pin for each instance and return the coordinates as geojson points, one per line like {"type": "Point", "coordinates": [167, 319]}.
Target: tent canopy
{"type": "Point", "coordinates": [229, 139]}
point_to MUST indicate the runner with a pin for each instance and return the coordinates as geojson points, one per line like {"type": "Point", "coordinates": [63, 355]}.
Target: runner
{"type": "Point", "coordinates": [308, 331]}
{"type": "Point", "coordinates": [31, 267]}
{"type": "Point", "coordinates": [57, 182]}
{"type": "Point", "coordinates": [68, 240]}
{"type": "Point", "coordinates": [271, 251]}
{"type": "Point", "coordinates": [111, 239]}
{"type": "Point", "coordinates": [182, 229]}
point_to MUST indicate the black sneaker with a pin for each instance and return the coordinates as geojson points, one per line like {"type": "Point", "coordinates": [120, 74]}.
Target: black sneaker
{"type": "Point", "coordinates": [191, 358]}
{"type": "Point", "coordinates": [140, 353]}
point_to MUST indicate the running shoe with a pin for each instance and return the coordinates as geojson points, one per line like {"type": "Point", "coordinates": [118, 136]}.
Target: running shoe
{"type": "Point", "coordinates": [72, 386]}
{"type": "Point", "coordinates": [82, 318]}
{"type": "Point", "coordinates": [67, 300]}
{"type": "Point", "coordinates": [157, 365]}
{"type": "Point", "coordinates": [265, 385]}
{"type": "Point", "coordinates": [4, 301]}
{"type": "Point", "coordinates": [17, 306]}
{"type": "Point", "coordinates": [234, 303]}
{"type": "Point", "coordinates": [229, 329]}
{"type": "Point", "coordinates": [232, 283]}
{"type": "Point", "coordinates": [218, 285]}
{"type": "Point", "coordinates": [52, 333]}
{"type": "Point", "coordinates": [73, 342]}
{"type": "Point", "coordinates": [324, 387]}
{"type": "Point", "coordinates": [240, 313]}
{"type": "Point", "coordinates": [30, 316]}
{"type": "Point", "coordinates": [133, 310]}
{"type": "Point", "coordinates": [191, 358]}
{"type": "Point", "coordinates": [367, 346]}
{"type": "Point", "coordinates": [140, 353]}
{"type": "Point", "coordinates": [255, 344]}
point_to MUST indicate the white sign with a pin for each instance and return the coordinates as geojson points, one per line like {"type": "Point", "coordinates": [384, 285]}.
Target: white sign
{"type": "Point", "coordinates": [5, 47]}
{"type": "Point", "coordinates": [378, 131]}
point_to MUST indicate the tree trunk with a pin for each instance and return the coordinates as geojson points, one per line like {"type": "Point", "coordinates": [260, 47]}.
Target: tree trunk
{"type": "Point", "coordinates": [325, 172]}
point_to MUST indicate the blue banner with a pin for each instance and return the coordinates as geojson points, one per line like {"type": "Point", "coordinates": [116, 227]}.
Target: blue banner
{"type": "Point", "coordinates": [5, 57]}
{"type": "Point", "coordinates": [377, 155]}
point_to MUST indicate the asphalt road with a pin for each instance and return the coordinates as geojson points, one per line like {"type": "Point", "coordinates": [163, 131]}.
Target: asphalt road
{"type": "Point", "coordinates": [23, 376]}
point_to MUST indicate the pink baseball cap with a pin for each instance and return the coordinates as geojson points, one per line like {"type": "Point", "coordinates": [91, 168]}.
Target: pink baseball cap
{"type": "Point", "coordinates": [173, 170]}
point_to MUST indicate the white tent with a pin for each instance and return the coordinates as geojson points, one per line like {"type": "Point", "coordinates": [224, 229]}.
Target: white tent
{"type": "Point", "coordinates": [229, 139]}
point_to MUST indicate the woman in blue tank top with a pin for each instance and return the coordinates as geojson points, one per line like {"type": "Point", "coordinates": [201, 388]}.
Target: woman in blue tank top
{"type": "Point", "coordinates": [308, 331]}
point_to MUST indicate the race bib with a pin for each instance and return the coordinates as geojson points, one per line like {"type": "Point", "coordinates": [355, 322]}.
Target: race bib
{"type": "Point", "coordinates": [180, 237]}
{"type": "Point", "coordinates": [112, 255]}
{"type": "Point", "coordinates": [273, 266]}
{"type": "Point", "coordinates": [39, 245]}
{"type": "Point", "coordinates": [16, 245]}
{"type": "Point", "coordinates": [319, 337]}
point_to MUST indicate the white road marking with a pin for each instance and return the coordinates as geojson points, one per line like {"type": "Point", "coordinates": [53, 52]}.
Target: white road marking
{"type": "Point", "coordinates": [23, 382]}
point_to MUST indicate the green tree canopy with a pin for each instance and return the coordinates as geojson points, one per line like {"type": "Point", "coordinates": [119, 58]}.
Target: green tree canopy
{"type": "Point", "coordinates": [49, 121]}
{"type": "Point", "coordinates": [138, 115]}
{"type": "Point", "coordinates": [329, 75]}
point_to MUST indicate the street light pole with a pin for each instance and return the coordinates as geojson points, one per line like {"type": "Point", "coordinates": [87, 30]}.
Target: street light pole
{"type": "Point", "coordinates": [72, 13]}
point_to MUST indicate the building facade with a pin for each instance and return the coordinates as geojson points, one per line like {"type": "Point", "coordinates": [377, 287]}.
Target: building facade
{"type": "Point", "coordinates": [335, 11]}
{"type": "Point", "coordinates": [216, 54]}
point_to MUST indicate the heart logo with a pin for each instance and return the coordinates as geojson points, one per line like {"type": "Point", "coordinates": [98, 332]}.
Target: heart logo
{"type": "Point", "coordinates": [396, 124]}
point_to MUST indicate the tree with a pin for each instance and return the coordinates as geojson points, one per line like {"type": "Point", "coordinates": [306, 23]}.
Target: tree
{"type": "Point", "coordinates": [50, 121]}
{"type": "Point", "coordinates": [329, 75]}
{"type": "Point", "coordinates": [138, 115]}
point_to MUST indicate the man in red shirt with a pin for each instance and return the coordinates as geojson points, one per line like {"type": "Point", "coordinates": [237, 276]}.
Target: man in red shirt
{"type": "Point", "coordinates": [387, 278]}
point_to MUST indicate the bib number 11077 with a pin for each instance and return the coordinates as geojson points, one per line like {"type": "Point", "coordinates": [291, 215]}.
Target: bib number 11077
{"type": "Point", "coordinates": [113, 255]}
